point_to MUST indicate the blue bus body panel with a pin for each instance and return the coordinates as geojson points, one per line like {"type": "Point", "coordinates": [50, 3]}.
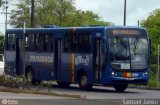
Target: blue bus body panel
{"type": "Point", "coordinates": [10, 63]}
{"type": "Point", "coordinates": [84, 62]}
{"type": "Point", "coordinates": [42, 65]}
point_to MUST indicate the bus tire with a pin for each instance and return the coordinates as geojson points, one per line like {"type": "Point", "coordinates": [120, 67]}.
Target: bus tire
{"type": "Point", "coordinates": [120, 87]}
{"type": "Point", "coordinates": [63, 84]}
{"type": "Point", "coordinates": [83, 82]}
{"type": "Point", "coordinates": [30, 76]}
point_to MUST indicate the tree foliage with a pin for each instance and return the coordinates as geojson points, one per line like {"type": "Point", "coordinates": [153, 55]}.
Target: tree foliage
{"type": "Point", "coordinates": [152, 24]}
{"type": "Point", "coordinates": [1, 43]}
{"type": "Point", "coordinates": [55, 12]}
{"type": "Point", "coordinates": [1, 2]}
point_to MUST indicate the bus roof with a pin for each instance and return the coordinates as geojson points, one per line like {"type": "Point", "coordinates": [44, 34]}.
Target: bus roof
{"type": "Point", "coordinates": [75, 28]}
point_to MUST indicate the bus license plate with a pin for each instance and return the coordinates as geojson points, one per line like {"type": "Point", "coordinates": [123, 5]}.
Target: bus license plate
{"type": "Point", "coordinates": [134, 74]}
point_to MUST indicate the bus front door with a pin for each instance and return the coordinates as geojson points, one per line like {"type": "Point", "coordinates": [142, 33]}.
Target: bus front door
{"type": "Point", "coordinates": [58, 59]}
{"type": "Point", "coordinates": [97, 59]}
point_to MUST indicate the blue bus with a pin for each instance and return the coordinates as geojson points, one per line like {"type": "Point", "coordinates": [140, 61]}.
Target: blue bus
{"type": "Point", "coordinates": [106, 55]}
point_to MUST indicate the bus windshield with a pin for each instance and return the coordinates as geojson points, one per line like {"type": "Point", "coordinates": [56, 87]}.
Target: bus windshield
{"type": "Point", "coordinates": [128, 53]}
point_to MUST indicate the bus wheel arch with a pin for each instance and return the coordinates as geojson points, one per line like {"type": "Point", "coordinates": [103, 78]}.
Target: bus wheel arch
{"type": "Point", "coordinates": [82, 79]}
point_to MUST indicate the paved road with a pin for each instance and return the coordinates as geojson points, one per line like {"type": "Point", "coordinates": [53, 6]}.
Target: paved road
{"type": "Point", "coordinates": [100, 92]}
{"type": "Point", "coordinates": [98, 96]}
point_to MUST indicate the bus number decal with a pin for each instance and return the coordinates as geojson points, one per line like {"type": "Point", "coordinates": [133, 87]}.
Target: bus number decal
{"type": "Point", "coordinates": [46, 59]}
{"type": "Point", "coordinates": [82, 60]}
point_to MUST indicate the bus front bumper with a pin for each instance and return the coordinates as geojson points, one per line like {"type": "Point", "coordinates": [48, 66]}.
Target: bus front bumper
{"type": "Point", "coordinates": [123, 80]}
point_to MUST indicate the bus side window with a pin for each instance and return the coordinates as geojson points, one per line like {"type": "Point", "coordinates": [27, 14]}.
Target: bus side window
{"type": "Point", "coordinates": [29, 42]}
{"type": "Point", "coordinates": [77, 42]}
{"type": "Point", "coordinates": [39, 42]}
{"type": "Point", "coordinates": [26, 42]}
{"type": "Point", "coordinates": [11, 42]}
{"type": "Point", "coordinates": [71, 42]}
{"type": "Point", "coordinates": [66, 43]}
{"type": "Point", "coordinates": [85, 42]}
{"type": "Point", "coordinates": [48, 42]}
{"type": "Point", "coordinates": [80, 42]}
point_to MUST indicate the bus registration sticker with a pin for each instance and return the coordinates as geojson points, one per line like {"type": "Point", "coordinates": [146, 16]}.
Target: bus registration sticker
{"type": "Point", "coordinates": [82, 60]}
{"type": "Point", "coordinates": [125, 66]}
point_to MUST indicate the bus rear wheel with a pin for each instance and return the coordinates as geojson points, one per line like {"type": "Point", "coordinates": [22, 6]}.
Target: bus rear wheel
{"type": "Point", "coordinates": [83, 82]}
{"type": "Point", "coordinates": [30, 77]}
{"type": "Point", "coordinates": [120, 87]}
{"type": "Point", "coordinates": [63, 84]}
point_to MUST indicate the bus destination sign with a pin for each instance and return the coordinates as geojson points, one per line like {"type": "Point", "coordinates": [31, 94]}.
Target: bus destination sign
{"type": "Point", "coordinates": [126, 32]}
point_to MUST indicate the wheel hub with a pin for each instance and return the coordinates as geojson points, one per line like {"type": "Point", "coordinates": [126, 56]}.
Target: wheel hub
{"type": "Point", "coordinates": [84, 81]}
{"type": "Point", "coordinates": [29, 76]}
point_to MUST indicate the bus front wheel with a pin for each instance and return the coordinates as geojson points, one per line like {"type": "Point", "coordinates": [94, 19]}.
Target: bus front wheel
{"type": "Point", "coordinates": [120, 87]}
{"type": "Point", "coordinates": [83, 82]}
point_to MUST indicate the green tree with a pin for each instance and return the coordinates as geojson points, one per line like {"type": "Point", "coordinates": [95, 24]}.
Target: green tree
{"type": "Point", "coordinates": [81, 18]}
{"type": "Point", "coordinates": [152, 24]}
{"type": "Point", "coordinates": [55, 12]}
{"type": "Point", "coordinates": [1, 42]}
{"type": "Point", "coordinates": [24, 15]}
{"type": "Point", "coordinates": [1, 2]}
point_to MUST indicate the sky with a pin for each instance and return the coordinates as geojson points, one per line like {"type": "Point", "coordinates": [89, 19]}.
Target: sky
{"type": "Point", "coordinates": [113, 10]}
{"type": "Point", "coordinates": [110, 10]}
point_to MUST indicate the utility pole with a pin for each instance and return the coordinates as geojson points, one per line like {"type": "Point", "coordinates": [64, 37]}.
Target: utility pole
{"type": "Point", "coordinates": [6, 12]}
{"type": "Point", "coordinates": [124, 13]}
{"type": "Point", "coordinates": [157, 74]}
{"type": "Point", "coordinates": [24, 46]}
{"type": "Point", "coordinates": [138, 23]}
{"type": "Point", "coordinates": [32, 14]}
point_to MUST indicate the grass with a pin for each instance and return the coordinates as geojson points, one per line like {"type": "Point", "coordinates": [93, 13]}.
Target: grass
{"type": "Point", "coordinates": [13, 85]}
{"type": "Point", "coordinates": [152, 81]}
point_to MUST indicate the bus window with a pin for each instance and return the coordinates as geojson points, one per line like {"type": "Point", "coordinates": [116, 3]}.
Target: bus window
{"type": "Point", "coordinates": [85, 42]}
{"type": "Point", "coordinates": [66, 43]}
{"type": "Point", "coordinates": [78, 42]}
{"type": "Point", "coordinates": [26, 42]}
{"type": "Point", "coordinates": [48, 42]}
{"type": "Point", "coordinates": [39, 42]}
{"type": "Point", "coordinates": [70, 42]}
{"type": "Point", "coordinates": [29, 42]}
{"type": "Point", "coordinates": [11, 42]}
{"type": "Point", "coordinates": [75, 43]}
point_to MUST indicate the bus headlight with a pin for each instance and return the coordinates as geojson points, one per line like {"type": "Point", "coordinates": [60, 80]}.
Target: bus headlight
{"type": "Point", "coordinates": [113, 73]}
{"type": "Point", "coordinates": [145, 73]}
